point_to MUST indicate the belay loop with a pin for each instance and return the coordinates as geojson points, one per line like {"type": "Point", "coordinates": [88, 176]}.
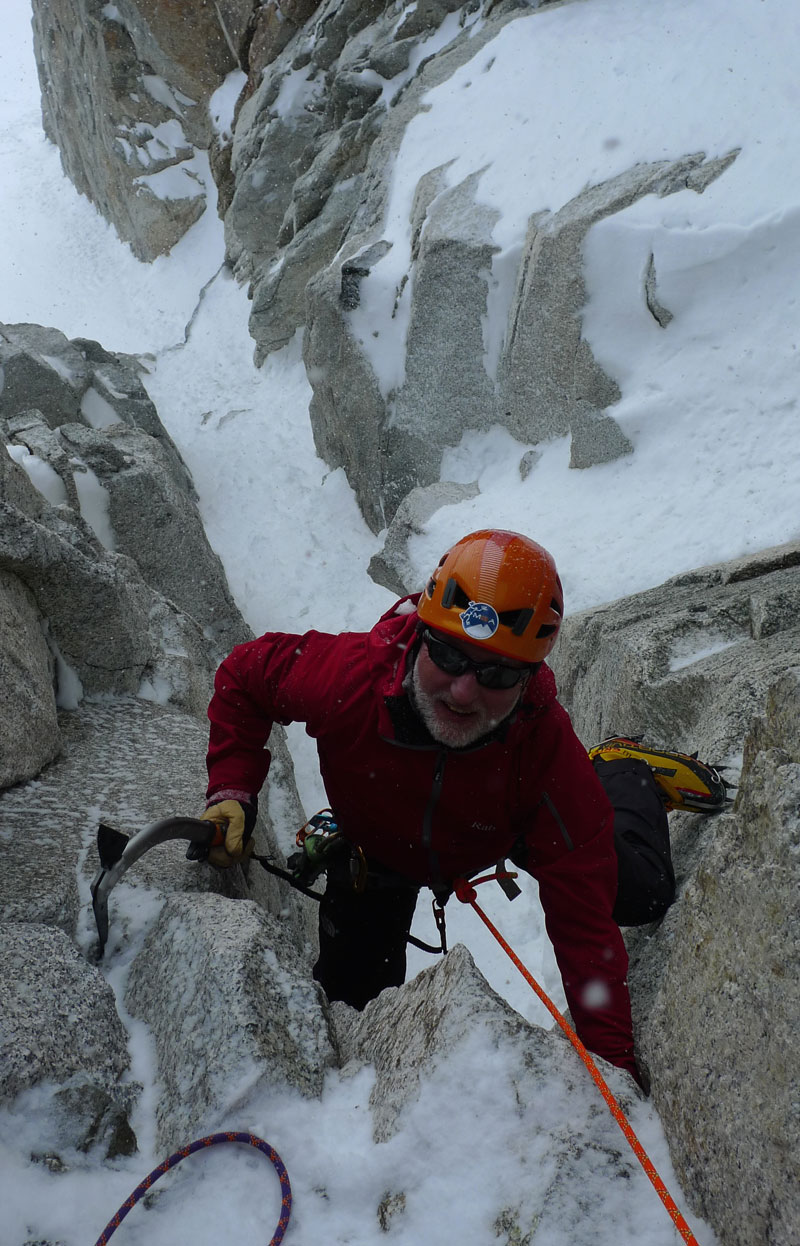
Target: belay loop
{"type": "Point", "coordinates": [441, 924]}
{"type": "Point", "coordinates": [199, 1145]}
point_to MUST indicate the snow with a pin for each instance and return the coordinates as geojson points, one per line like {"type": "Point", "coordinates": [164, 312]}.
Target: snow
{"type": "Point", "coordinates": [94, 503]}
{"type": "Point", "coordinates": [177, 181]}
{"type": "Point", "coordinates": [69, 689]}
{"type": "Point", "coordinates": [159, 142]}
{"type": "Point", "coordinates": [223, 102]}
{"type": "Point", "coordinates": [690, 652]}
{"type": "Point", "coordinates": [164, 94]}
{"type": "Point", "coordinates": [573, 96]}
{"type": "Point", "coordinates": [97, 410]}
{"type": "Point", "coordinates": [44, 477]}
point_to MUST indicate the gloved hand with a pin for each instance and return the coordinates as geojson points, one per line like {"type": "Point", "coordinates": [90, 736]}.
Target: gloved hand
{"type": "Point", "coordinates": [237, 820]}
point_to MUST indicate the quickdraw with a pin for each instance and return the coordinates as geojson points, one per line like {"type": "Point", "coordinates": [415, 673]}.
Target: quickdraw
{"type": "Point", "coordinates": [465, 891]}
{"type": "Point", "coordinates": [199, 1145]}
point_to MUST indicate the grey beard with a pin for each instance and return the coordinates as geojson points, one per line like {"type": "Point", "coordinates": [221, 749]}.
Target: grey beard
{"type": "Point", "coordinates": [423, 706]}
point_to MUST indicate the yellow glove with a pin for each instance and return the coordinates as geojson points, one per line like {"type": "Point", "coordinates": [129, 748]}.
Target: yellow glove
{"type": "Point", "coordinates": [236, 821]}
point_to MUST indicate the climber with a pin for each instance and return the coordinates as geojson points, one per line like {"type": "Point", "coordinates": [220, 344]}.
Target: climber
{"type": "Point", "coordinates": [443, 749]}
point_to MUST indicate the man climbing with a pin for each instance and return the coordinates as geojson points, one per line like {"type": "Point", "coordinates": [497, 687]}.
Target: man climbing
{"type": "Point", "coordinates": [443, 749]}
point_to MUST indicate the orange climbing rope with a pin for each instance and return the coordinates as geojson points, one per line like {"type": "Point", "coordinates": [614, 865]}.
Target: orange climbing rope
{"type": "Point", "coordinates": [465, 891]}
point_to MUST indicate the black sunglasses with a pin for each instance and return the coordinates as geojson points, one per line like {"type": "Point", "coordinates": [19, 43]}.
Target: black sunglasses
{"type": "Point", "coordinates": [453, 662]}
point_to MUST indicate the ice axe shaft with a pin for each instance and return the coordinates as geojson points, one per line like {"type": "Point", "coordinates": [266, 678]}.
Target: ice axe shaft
{"type": "Point", "coordinates": [118, 852]}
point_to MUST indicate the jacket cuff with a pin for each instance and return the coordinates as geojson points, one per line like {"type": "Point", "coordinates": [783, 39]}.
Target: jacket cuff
{"type": "Point", "coordinates": [232, 793]}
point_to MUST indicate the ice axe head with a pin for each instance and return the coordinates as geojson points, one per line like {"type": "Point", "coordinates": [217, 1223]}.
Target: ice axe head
{"type": "Point", "coordinates": [110, 845]}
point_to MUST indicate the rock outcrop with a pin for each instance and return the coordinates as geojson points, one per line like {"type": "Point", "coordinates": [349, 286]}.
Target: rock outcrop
{"type": "Point", "coordinates": [105, 563]}
{"type": "Point", "coordinates": [227, 995]}
{"type": "Point", "coordinates": [61, 1031]}
{"type": "Point", "coordinates": [709, 661]}
{"type": "Point", "coordinates": [114, 613]}
{"type": "Point", "coordinates": [688, 663]}
{"type": "Point", "coordinates": [125, 95]}
{"type": "Point", "coordinates": [720, 1000]}
{"type": "Point", "coordinates": [223, 959]}
{"type": "Point", "coordinates": [305, 177]}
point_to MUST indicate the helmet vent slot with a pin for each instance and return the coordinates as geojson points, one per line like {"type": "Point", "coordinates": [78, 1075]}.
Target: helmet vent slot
{"type": "Point", "coordinates": [517, 620]}
{"type": "Point", "coordinates": [454, 595]}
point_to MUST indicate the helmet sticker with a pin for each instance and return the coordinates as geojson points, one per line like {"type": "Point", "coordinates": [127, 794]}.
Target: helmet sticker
{"type": "Point", "coordinates": [480, 620]}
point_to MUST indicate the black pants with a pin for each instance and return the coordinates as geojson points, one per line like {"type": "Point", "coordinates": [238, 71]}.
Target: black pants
{"type": "Point", "coordinates": [362, 938]}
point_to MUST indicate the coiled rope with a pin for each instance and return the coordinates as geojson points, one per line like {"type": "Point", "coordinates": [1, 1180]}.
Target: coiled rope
{"type": "Point", "coordinates": [465, 891]}
{"type": "Point", "coordinates": [199, 1145]}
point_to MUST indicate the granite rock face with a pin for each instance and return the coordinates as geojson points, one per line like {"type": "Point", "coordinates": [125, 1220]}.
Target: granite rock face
{"type": "Point", "coordinates": [114, 614]}
{"type": "Point", "coordinates": [61, 1032]}
{"type": "Point", "coordinates": [228, 999]}
{"type": "Point", "coordinates": [398, 315]}
{"type": "Point", "coordinates": [723, 984]}
{"type": "Point", "coordinates": [126, 762]}
{"type": "Point", "coordinates": [392, 566]}
{"type": "Point", "coordinates": [544, 381]}
{"type": "Point", "coordinates": [449, 1018]}
{"type": "Point", "coordinates": [125, 93]}
{"type": "Point", "coordinates": [687, 663]}
{"type": "Point", "coordinates": [100, 527]}
{"type": "Point", "coordinates": [709, 661]}
{"type": "Point", "coordinates": [223, 960]}
{"type": "Point", "coordinates": [30, 738]}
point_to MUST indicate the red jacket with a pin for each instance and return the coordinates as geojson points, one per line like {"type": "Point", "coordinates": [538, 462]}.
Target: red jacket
{"type": "Point", "coordinates": [434, 814]}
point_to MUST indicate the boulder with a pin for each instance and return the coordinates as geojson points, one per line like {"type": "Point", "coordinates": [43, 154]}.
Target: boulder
{"type": "Point", "coordinates": [459, 1071]}
{"type": "Point", "coordinates": [154, 521]}
{"type": "Point", "coordinates": [41, 368]}
{"type": "Point", "coordinates": [61, 1035]}
{"type": "Point", "coordinates": [45, 377]}
{"type": "Point", "coordinates": [549, 382]}
{"type": "Point", "coordinates": [451, 263]}
{"type": "Point", "coordinates": [129, 762]}
{"type": "Point", "coordinates": [688, 663]}
{"type": "Point", "coordinates": [231, 1004]}
{"type": "Point", "coordinates": [97, 604]}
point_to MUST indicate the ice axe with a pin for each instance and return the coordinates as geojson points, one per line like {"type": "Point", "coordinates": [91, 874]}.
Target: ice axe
{"type": "Point", "coordinates": [118, 852]}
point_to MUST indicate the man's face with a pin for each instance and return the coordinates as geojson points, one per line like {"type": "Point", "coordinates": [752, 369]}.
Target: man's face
{"type": "Point", "coordinates": [456, 709]}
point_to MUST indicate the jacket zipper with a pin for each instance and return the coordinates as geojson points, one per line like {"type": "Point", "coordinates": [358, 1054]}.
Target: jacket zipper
{"type": "Point", "coordinates": [430, 808]}
{"type": "Point", "coordinates": [558, 821]}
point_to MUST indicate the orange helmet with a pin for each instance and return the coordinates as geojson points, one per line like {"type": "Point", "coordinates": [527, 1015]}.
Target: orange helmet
{"type": "Point", "coordinates": [499, 589]}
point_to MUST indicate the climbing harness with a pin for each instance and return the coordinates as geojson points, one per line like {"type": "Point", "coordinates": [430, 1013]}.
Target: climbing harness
{"type": "Point", "coordinates": [320, 842]}
{"type": "Point", "coordinates": [465, 892]}
{"type": "Point", "coordinates": [199, 1145]}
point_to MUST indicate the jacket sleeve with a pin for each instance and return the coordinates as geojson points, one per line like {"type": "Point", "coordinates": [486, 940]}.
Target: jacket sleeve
{"type": "Point", "coordinates": [278, 678]}
{"type": "Point", "coordinates": [570, 851]}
